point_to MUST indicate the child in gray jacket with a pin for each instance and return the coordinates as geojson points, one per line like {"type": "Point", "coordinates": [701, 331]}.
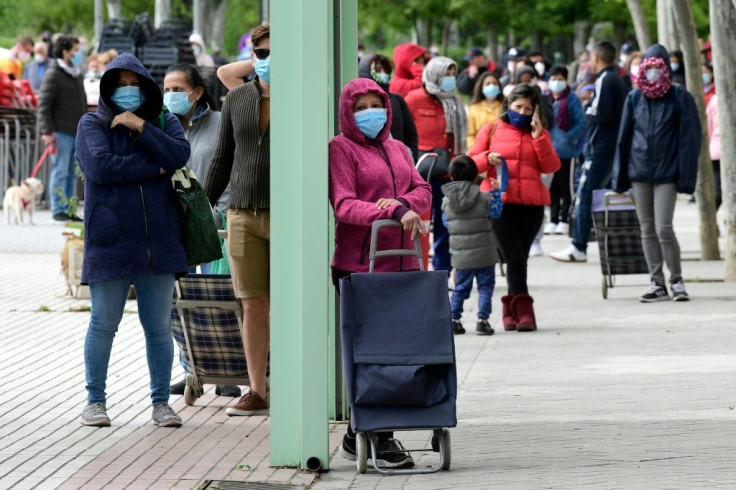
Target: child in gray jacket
{"type": "Point", "coordinates": [472, 242]}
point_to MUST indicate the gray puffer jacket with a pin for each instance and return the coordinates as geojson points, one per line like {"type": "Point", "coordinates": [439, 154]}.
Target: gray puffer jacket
{"type": "Point", "coordinates": [472, 241]}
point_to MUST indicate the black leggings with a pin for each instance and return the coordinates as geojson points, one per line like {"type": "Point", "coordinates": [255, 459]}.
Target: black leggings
{"type": "Point", "coordinates": [515, 231]}
{"type": "Point", "coordinates": [717, 182]}
{"type": "Point", "coordinates": [561, 190]}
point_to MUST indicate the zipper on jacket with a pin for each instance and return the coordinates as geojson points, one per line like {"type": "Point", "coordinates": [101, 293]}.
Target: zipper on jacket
{"type": "Point", "coordinates": [145, 221]}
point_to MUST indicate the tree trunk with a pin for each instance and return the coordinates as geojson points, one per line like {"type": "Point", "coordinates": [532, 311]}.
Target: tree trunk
{"type": "Point", "coordinates": [537, 40]}
{"type": "Point", "coordinates": [492, 42]}
{"type": "Point", "coordinates": [162, 12]}
{"type": "Point", "coordinates": [666, 28]}
{"type": "Point", "coordinates": [445, 36]}
{"type": "Point", "coordinates": [582, 30]}
{"type": "Point", "coordinates": [705, 190]}
{"type": "Point", "coordinates": [217, 24]}
{"type": "Point", "coordinates": [99, 21]}
{"type": "Point", "coordinates": [265, 12]}
{"type": "Point", "coordinates": [619, 34]}
{"type": "Point", "coordinates": [723, 32]}
{"type": "Point", "coordinates": [113, 9]}
{"type": "Point", "coordinates": [641, 28]}
{"type": "Point", "coordinates": [512, 38]}
{"type": "Point", "coordinates": [423, 32]}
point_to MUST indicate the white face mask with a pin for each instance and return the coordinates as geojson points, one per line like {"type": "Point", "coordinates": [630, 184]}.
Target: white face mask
{"type": "Point", "coordinates": [635, 70]}
{"type": "Point", "coordinates": [39, 58]}
{"type": "Point", "coordinates": [511, 66]}
{"type": "Point", "coordinates": [652, 74]}
{"type": "Point", "coordinates": [539, 66]}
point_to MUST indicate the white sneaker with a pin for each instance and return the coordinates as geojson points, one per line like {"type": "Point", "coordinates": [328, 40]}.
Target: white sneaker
{"type": "Point", "coordinates": [536, 250]}
{"type": "Point", "coordinates": [550, 229]}
{"type": "Point", "coordinates": [570, 254]}
{"type": "Point", "coordinates": [562, 228]}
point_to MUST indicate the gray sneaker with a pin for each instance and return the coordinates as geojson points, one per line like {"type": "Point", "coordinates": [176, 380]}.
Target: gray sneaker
{"type": "Point", "coordinates": [165, 416]}
{"type": "Point", "coordinates": [678, 292]}
{"type": "Point", "coordinates": [95, 415]}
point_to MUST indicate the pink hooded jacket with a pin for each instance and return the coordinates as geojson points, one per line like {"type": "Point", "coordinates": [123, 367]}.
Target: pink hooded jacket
{"type": "Point", "coordinates": [714, 131]}
{"type": "Point", "coordinates": [362, 171]}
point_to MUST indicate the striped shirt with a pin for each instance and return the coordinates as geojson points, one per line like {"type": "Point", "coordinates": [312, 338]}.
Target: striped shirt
{"type": "Point", "coordinates": [242, 155]}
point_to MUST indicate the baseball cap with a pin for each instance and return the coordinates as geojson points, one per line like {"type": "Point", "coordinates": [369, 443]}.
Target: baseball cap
{"type": "Point", "coordinates": [472, 53]}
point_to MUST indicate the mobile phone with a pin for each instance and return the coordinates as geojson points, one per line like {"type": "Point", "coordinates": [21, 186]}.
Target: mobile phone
{"type": "Point", "coordinates": [536, 111]}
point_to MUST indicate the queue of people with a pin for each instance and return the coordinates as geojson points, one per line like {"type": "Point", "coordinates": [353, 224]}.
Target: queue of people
{"type": "Point", "coordinates": [526, 128]}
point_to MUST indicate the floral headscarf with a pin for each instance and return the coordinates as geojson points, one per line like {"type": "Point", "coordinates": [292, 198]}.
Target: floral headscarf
{"type": "Point", "coordinates": [655, 89]}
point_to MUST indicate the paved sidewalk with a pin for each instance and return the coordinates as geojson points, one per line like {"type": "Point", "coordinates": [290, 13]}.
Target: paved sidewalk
{"type": "Point", "coordinates": [608, 394]}
{"type": "Point", "coordinates": [42, 443]}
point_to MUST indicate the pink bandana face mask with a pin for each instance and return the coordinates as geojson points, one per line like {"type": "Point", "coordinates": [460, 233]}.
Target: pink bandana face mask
{"type": "Point", "coordinates": [653, 78]}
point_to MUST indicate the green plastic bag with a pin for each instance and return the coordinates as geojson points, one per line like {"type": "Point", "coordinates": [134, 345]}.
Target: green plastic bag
{"type": "Point", "coordinates": [221, 266]}
{"type": "Point", "coordinates": [201, 241]}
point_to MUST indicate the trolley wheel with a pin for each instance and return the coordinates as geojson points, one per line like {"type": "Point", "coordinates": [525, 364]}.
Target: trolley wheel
{"type": "Point", "coordinates": [192, 390]}
{"type": "Point", "coordinates": [361, 452]}
{"type": "Point", "coordinates": [604, 287]}
{"type": "Point", "coordinates": [446, 450]}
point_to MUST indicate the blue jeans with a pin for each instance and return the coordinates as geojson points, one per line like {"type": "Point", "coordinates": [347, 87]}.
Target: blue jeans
{"type": "Point", "coordinates": [596, 175]}
{"type": "Point", "coordinates": [441, 246]}
{"type": "Point", "coordinates": [155, 293]}
{"type": "Point", "coordinates": [63, 173]}
{"type": "Point", "coordinates": [486, 279]}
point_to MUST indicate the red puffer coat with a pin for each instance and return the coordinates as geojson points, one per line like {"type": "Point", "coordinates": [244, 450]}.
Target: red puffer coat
{"type": "Point", "coordinates": [527, 160]}
{"type": "Point", "coordinates": [429, 118]}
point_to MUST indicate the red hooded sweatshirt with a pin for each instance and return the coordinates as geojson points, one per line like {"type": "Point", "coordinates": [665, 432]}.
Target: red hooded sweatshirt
{"type": "Point", "coordinates": [362, 171]}
{"type": "Point", "coordinates": [406, 77]}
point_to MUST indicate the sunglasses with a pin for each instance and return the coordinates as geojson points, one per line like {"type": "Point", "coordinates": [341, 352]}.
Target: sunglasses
{"type": "Point", "coordinates": [262, 54]}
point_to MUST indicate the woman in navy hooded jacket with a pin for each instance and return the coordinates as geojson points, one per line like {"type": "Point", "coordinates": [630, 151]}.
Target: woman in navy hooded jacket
{"type": "Point", "coordinates": [133, 226]}
{"type": "Point", "coordinates": [657, 156]}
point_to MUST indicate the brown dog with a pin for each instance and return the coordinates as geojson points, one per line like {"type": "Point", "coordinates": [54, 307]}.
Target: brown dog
{"type": "Point", "coordinates": [22, 197]}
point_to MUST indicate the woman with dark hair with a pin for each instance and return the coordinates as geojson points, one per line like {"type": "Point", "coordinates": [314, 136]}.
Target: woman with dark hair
{"type": "Point", "coordinates": [379, 69]}
{"type": "Point", "coordinates": [678, 68]}
{"type": "Point", "coordinates": [186, 96]}
{"type": "Point", "coordinates": [133, 224]}
{"type": "Point", "coordinates": [485, 106]}
{"type": "Point", "coordinates": [520, 139]}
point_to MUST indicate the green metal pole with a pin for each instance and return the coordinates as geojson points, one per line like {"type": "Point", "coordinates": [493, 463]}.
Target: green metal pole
{"type": "Point", "coordinates": [299, 232]}
{"type": "Point", "coordinates": [344, 67]}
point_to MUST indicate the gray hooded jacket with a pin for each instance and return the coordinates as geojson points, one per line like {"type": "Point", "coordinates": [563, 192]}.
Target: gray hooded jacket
{"type": "Point", "coordinates": [472, 241]}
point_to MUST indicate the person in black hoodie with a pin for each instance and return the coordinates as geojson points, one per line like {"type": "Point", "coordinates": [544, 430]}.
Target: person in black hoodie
{"type": "Point", "coordinates": [603, 116]}
{"type": "Point", "coordinates": [657, 154]}
{"type": "Point", "coordinates": [378, 68]}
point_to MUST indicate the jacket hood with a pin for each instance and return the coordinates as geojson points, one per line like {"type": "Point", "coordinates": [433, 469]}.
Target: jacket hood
{"type": "Point", "coordinates": [659, 51]}
{"type": "Point", "coordinates": [404, 56]}
{"type": "Point", "coordinates": [364, 70]}
{"type": "Point", "coordinates": [154, 103]}
{"type": "Point", "coordinates": [350, 93]}
{"type": "Point", "coordinates": [461, 195]}
{"type": "Point", "coordinates": [523, 70]}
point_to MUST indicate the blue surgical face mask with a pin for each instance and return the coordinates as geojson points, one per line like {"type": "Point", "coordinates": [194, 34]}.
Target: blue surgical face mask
{"type": "Point", "coordinates": [447, 84]}
{"type": "Point", "coordinates": [557, 86]}
{"type": "Point", "coordinates": [491, 91]}
{"type": "Point", "coordinates": [371, 121]}
{"type": "Point", "coordinates": [77, 58]}
{"type": "Point", "coordinates": [675, 66]}
{"type": "Point", "coordinates": [380, 77]}
{"type": "Point", "coordinates": [178, 102]}
{"type": "Point", "coordinates": [521, 121]}
{"type": "Point", "coordinates": [706, 79]}
{"type": "Point", "coordinates": [263, 69]}
{"type": "Point", "coordinates": [128, 98]}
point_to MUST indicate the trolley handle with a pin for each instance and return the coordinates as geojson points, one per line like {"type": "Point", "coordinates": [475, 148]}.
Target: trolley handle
{"type": "Point", "coordinates": [436, 157]}
{"type": "Point", "coordinates": [611, 199]}
{"type": "Point", "coordinates": [374, 253]}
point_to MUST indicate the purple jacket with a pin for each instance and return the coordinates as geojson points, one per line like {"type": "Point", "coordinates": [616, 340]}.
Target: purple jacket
{"type": "Point", "coordinates": [362, 171]}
